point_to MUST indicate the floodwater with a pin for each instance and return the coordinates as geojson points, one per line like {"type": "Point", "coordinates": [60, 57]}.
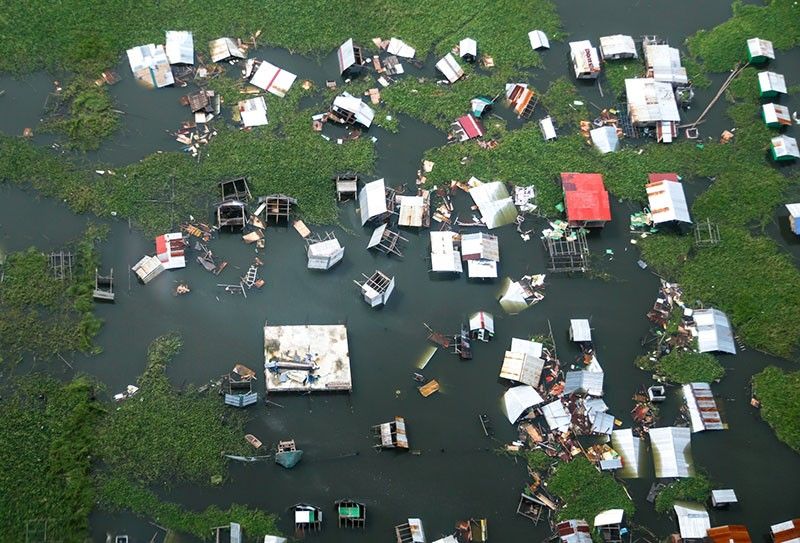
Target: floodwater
{"type": "Point", "coordinates": [457, 473]}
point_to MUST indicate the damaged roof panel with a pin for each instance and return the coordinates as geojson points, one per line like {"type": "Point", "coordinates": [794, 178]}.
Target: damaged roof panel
{"type": "Point", "coordinates": [495, 204]}
{"type": "Point", "coordinates": [450, 68]}
{"type": "Point", "coordinates": [672, 455]}
{"type": "Point", "coordinates": [713, 331]}
{"type": "Point", "coordinates": [180, 47]}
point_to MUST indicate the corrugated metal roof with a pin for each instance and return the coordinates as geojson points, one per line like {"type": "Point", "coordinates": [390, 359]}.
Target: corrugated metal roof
{"type": "Point", "coordinates": [672, 451]}
{"type": "Point", "coordinates": [703, 411]}
{"type": "Point", "coordinates": [609, 517]}
{"type": "Point", "coordinates": [760, 48]}
{"type": "Point", "coordinates": [372, 200]}
{"type": "Point", "coordinates": [482, 321]}
{"type": "Point", "coordinates": [724, 495]}
{"type": "Point", "coordinates": [444, 257]}
{"type": "Point", "coordinates": [270, 78]}
{"type": "Point", "coordinates": [485, 269]}
{"type": "Point", "coordinates": [651, 101]}
{"type": "Point", "coordinates": [253, 112]}
{"type": "Point", "coordinates": [693, 520]}
{"type": "Point", "coordinates": [349, 103]}
{"type": "Point", "coordinates": [532, 348]}
{"type": "Point", "coordinates": [346, 55]}
{"type": "Point", "coordinates": [557, 416]}
{"type": "Point", "coordinates": [793, 209]}
{"type": "Point", "coordinates": [149, 64]}
{"type": "Point", "coordinates": [785, 146]}
{"type": "Point", "coordinates": [223, 49]}
{"type": "Point", "coordinates": [585, 197]}
{"type": "Point", "coordinates": [236, 532]}
{"type": "Point", "coordinates": [605, 139]}
{"type": "Point", "coordinates": [495, 204]}
{"type": "Point", "coordinates": [786, 532]}
{"type": "Point", "coordinates": [538, 40]}
{"type": "Point", "coordinates": [665, 63]}
{"type": "Point", "coordinates": [580, 330]}
{"type": "Point", "coordinates": [771, 81]}
{"type": "Point", "coordinates": [548, 130]}
{"type": "Point", "coordinates": [585, 382]}
{"type": "Point", "coordinates": [180, 47]}
{"type": "Point", "coordinates": [629, 448]}
{"type": "Point", "coordinates": [730, 533]}
{"type": "Point", "coordinates": [468, 46]}
{"type": "Point", "coordinates": [377, 236]}
{"type": "Point", "coordinates": [713, 331]}
{"type": "Point", "coordinates": [517, 399]}
{"type": "Point", "coordinates": [400, 48]}
{"type": "Point", "coordinates": [450, 68]}
{"type": "Point", "coordinates": [480, 246]}
{"type": "Point", "coordinates": [274, 539]}
{"type": "Point", "coordinates": [618, 46]}
{"type": "Point", "coordinates": [667, 200]}
{"type": "Point", "coordinates": [776, 114]}
{"type": "Point", "coordinates": [574, 531]}
{"type": "Point", "coordinates": [585, 59]}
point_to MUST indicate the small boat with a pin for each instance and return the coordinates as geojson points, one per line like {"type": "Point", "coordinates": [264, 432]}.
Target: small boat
{"type": "Point", "coordinates": [253, 440]}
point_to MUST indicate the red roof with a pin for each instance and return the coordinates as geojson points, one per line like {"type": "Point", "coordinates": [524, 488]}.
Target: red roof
{"type": "Point", "coordinates": [731, 533]}
{"type": "Point", "coordinates": [472, 126]}
{"type": "Point", "coordinates": [585, 197]}
{"type": "Point", "coordinates": [656, 177]}
{"type": "Point", "coordinates": [789, 533]}
{"type": "Point", "coordinates": [161, 245]}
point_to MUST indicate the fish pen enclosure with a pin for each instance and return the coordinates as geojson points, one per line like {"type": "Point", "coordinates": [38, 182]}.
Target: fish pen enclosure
{"type": "Point", "coordinates": [570, 254]}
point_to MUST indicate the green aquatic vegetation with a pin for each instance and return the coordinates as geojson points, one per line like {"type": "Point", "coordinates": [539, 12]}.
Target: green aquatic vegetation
{"type": "Point", "coordinates": [163, 435]}
{"type": "Point", "coordinates": [120, 494]}
{"type": "Point", "coordinates": [560, 102]}
{"type": "Point", "coordinates": [616, 72]}
{"type": "Point", "coordinates": [47, 442]}
{"type": "Point", "coordinates": [689, 367]}
{"type": "Point", "coordinates": [570, 482]}
{"type": "Point", "coordinates": [779, 393]}
{"type": "Point", "coordinates": [695, 71]}
{"type": "Point", "coordinates": [537, 460]}
{"type": "Point", "coordinates": [666, 253]}
{"type": "Point", "coordinates": [84, 113]}
{"type": "Point", "coordinates": [724, 45]}
{"type": "Point", "coordinates": [691, 489]}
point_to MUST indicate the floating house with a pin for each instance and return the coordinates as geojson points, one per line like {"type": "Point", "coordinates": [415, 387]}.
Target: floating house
{"type": "Point", "coordinates": [372, 202]}
{"type": "Point", "coordinates": [521, 98]}
{"type": "Point", "coordinates": [376, 288]}
{"type": "Point", "coordinates": [652, 103]}
{"type": "Point", "coordinates": [693, 521]}
{"type": "Point", "coordinates": [580, 330]}
{"type": "Point", "coordinates": [629, 448]}
{"type": "Point", "coordinates": [723, 498]}
{"type": "Point", "coordinates": [667, 199]}
{"type": "Point", "coordinates": [445, 257]}
{"type": "Point", "coordinates": [268, 77]}
{"type": "Point", "coordinates": [231, 213]}
{"type": "Point", "coordinates": [574, 531]}
{"type": "Point", "coordinates": [450, 68]}
{"type": "Point", "coordinates": [276, 207]}
{"type": "Point", "coordinates": [730, 533]}
{"type": "Point", "coordinates": [771, 84]}
{"type": "Point", "coordinates": [495, 204]}
{"type": "Point", "coordinates": [703, 410]}
{"type": "Point", "coordinates": [609, 525]}
{"type": "Point", "coordinates": [410, 532]}
{"type": "Point", "coordinates": [776, 115]}
{"type": "Point", "coordinates": [467, 127]}
{"type": "Point", "coordinates": [307, 518]}
{"type": "Point", "coordinates": [352, 514]}
{"type": "Point", "coordinates": [324, 252]}
{"type": "Point", "coordinates": [148, 268]}
{"type": "Point", "coordinates": [664, 64]}
{"type": "Point", "coordinates": [391, 435]}
{"type": "Point", "coordinates": [414, 210]}
{"type": "Point", "coordinates": [225, 49]}
{"type": "Point", "coordinates": [522, 367]}
{"type": "Point", "coordinates": [759, 51]}
{"type": "Point", "coordinates": [586, 200]}
{"type": "Point", "coordinates": [617, 47]}
{"type": "Point", "coordinates": [180, 47]}
{"type": "Point", "coordinates": [713, 331]}
{"type": "Point", "coordinates": [547, 128]}
{"type": "Point", "coordinates": [605, 139]}
{"type": "Point", "coordinates": [794, 217]}
{"type": "Point", "coordinates": [519, 399]}
{"type": "Point", "coordinates": [346, 185]}
{"type": "Point", "coordinates": [253, 112]}
{"type": "Point", "coordinates": [468, 49]}
{"type": "Point", "coordinates": [481, 326]}
{"type": "Point", "coordinates": [350, 57]}
{"type": "Point", "coordinates": [671, 451]}
{"type": "Point", "coordinates": [585, 60]}
{"type": "Point", "coordinates": [307, 358]}
{"type": "Point", "coordinates": [170, 250]}
{"type": "Point", "coordinates": [400, 48]}
{"type": "Point", "coordinates": [347, 109]}
{"type": "Point", "coordinates": [150, 65]}
{"type": "Point", "coordinates": [481, 251]}
{"type": "Point", "coordinates": [784, 148]}
{"type": "Point", "coordinates": [786, 532]}
{"type": "Point", "coordinates": [538, 40]}
{"type": "Point", "coordinates": [238, 389]}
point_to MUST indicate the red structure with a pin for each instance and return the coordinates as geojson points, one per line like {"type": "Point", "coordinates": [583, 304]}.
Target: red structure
{"type": "Point", "coordinates": [586, 199]}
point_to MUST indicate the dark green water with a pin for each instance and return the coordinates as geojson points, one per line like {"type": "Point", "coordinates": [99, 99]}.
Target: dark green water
{"type": "Point", "coordinates": [456, 475]}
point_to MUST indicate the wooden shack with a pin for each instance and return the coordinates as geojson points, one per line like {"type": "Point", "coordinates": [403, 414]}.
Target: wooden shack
{"type": "Point", "coordinates": [391, 435]}
{"type": "Point", "coordinates": [307, 518]}
{"type": "Point", "coordinates": [232, 214]}
{"type": "Point", "coordinates": [376, 288]}
{"type": "Point", "coordinates": [103, 286]}
{"type": "Point", "coordinates": [276, 207]}
{"type": "Point", "coordinates": [352, 514]}
{"type": "Point", "coordinates": [410, 531]}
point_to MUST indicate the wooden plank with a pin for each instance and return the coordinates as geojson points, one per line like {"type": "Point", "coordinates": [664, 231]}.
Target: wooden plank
{"type": "Point", "coordinates": [429, 388]}
{"type": "Point", "coordinates": [301, 228]}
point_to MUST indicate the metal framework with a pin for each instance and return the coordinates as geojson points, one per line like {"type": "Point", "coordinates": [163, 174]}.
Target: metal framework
{"type": "Point", "coordinates": [570, 254]}
{"type": "Point", "coordinates": [706, 233]}
{"type": "Point", "coordinates": [61, 265]}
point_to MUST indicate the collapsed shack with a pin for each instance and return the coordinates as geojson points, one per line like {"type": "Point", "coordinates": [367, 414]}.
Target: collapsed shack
{"type": "Point", "coordinates": [232, 214]}
{"type": "Point", "coordinates": [347, 109]}
{"type": "Point", "coordinates": [386, 241]}
{"type": "Point", "coordinates": [391, 435]}
{"type": "Point", "coordinates": [223, 49]}
{"type": "Point", "coordinates": [346, 186]}
{"type": "Point", "coordinates": [351, 59]}
{"type": "Point", "coordinates": [277, 208]}
{"type": "Point", "coordinates": [376, 288]}
{"type": "Point", "coordinates": [375, 202]}
{"type": "Point", "coordinates": [103, 286]}
{"type": "Point", "coordinates": [567, 248]}
{"type": "Point", "coordinates": [204, 104]}
{"type": "Point", "coordinates": [237, 387]}
{"type": "Point", "coordinates": [323, 251]}
{"type": "Point", "coordinates": [252, 112]}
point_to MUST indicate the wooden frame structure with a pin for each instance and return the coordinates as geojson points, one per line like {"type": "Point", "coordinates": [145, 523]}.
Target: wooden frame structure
{"type": "Point", "coordinates": [346, 186]}
{"type": "Point", "coordinates": [376, 288]}
{"type": "Point", "coordinates": [306, 518]}
{"type": "Point", "coordinates": [231, 213]}
{"type": "Point", "coordinates": [235, 189]}
{"type": "Point", "coordinates": [386, 241]}
{"type": "Point", "coordinates": [530, 508]}
{"type": "Point", "coordinates": [61, 264]}
{"type": "Point", "coordinates": [410, 532]}
{"type": "Point", "coordinates": [103, 286]}
{"type": "Point", "coordinates": [391, 435]}
{"type": "Point", "coordinates": [277, 207]}
{"type": "Point", "coordinates": [706, 233]}
{"type": "Point", "coordinates": [568, 255]}
{"type": "Point", "coordinates": [351, 513]}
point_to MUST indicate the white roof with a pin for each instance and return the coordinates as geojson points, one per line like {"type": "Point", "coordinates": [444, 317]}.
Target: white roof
{"type": "Point", "coordinates": [480, 246]}
{"type": "Point", "coordinates": [149, 64]}
{"type": "Point", "coordinates": [400, 48]}
{"type": "Point", "coordinates": [533, 348]}
{"type": "Point", "coordinates": [347, 102]}
{"type": "Point", "coordinates": [412, 209]}
{"type": "Point", "coordinates": [782, 527]}
{"type": "Point", "coordinates": [346, 55]}
{"type": "Point", "coordinates": [548, 130]}
{"type": "Point", "coordinates": [771, 81]}
{"type": "Point", "coordinates": [665, 62]}
{"type": "Point", "coordinates": [617, 45]}
{"type": "Point", "coordinates": [324, 254]}
{"type": "Point", "coordinates": [180, 47]}
{"type": "Point", "coordinates": [672, 451]}
{"type": "Point", "coordinates": [584, 57]}
{"type": "Point", "coordinates": [450, 68]}
{"type": "Point", "coordinates": [794, 209]}
{"type": "Point", "coordinates": [538, 40]}
{"type": "Point", "coordinates": [693, 520]}
{"type": "Point", "coordinates": [482, 268]}
{"type": "Point", "coordinates": [760, 48]}
{"type": "Point", "coordinates": [602, 423]}
{"type": "Point", "coordinates": [482, 320]}
{"type": "Point", "coordinates": [785, 146]}
{"type": "Point", "coordinates": [724, 495]}
{"type": "Point", "coordinates": [713, 331]}
{"type": "Point", "coordinates": [605, 139]}
{"type": "Point", "coordinates": [609, 517]}
{"type": "Point", "coordinates": [522, 368]}
{"type": "Point", "coordinates": [372, 200]}
{"type": "Point", "coordinates": [703, 411]}
{"type": "Point", "coordinates": [651, 101]}
{"type": "Point", "coordinates": [274, 539]}
{"type": "Point", "coordinates": [776, 113]}
{"type": "Point", "coordinates": [270, 78]}
{"type": "Point", "coordinates": [224, 48]}
{"type": "Point", "coordinates": [556, 416]}
{"type": "Point", "coordinates": [447, 539]}
{"type": "Point", "coordinates": [417, 533]}
{"type": "Point", "coordinates": [253, 111]}
{"type": "Point", "coordinates": [586, 382]}
{"type": "Point", "coordinates": [667, 201]}
{"type": "Point", "coordinates": [444, 257]}
{"type": "Point", "coordinates": [517, 399]}
{"type": "Point", "coordinates": [467, 46]}
{"type": "Point", "coordinates": [629, 448]}
{"type": "Point", "coordinates": [495, 204]}
{"type": "Point", "coordinates": [579, 330]}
